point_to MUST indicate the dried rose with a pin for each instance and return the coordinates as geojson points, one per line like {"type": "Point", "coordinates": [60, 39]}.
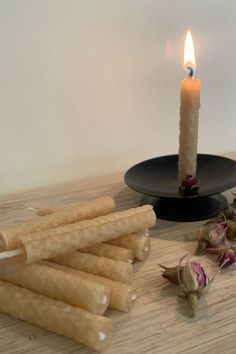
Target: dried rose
{"type": "Point", "coordinates": [194, 284]}
{"type": "Point", "coordinates": [171, 273]}
{"type": "Point", "coordinates": [190, 181]}
{"type": "Point", "coordinates": [217, 235]}
{"type": "Point", "coordinates": [192, 279]}
{"type": "Point", "coordinates": [211, 235]}
{"type": "Point", "coordinates": [227, 259]}
{"type": "Point", "coordinates": [226, 255]}
{"type": "Point", "coordinates": [190, 185]}
{"type": "Point", "coordinates": [231, 232]}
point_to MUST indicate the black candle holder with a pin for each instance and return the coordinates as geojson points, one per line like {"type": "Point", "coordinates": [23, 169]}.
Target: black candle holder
{"type": "Point", "coordinates": [157, 179]}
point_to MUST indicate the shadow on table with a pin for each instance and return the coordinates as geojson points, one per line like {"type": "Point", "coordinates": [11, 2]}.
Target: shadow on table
{"type": "Point", "coordinates": [127, 198]}
{"type": "Point", "coordinates": [171, 290]}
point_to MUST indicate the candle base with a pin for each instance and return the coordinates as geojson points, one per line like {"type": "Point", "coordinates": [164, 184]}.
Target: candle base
{"type": "Point", "coordinates": [158, 178]}
{"type": "Point", "coordinates": [185, 210]}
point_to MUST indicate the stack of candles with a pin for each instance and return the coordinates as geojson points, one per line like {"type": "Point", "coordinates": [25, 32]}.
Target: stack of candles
{"type": "Point", "coordinates": [62, 270]}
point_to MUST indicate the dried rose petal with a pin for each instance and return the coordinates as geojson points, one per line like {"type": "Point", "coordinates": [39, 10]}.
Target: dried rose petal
{"type": "Point", "coordinates": [200, 273]}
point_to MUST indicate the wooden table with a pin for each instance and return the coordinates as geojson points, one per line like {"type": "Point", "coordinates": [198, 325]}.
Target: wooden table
{"type": "Point", "coordinates": [159, 321]}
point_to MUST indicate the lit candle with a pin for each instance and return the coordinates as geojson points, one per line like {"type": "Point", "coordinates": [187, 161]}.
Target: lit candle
{"type": "Point", "coordinates": [189, 111]}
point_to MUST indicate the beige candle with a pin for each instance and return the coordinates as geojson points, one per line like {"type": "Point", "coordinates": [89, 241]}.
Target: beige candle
{"type": "Point", "coordinates": [189, 112]}
{"type": "Point", "coordinates": [137, 242]}
{"type": "Point", "coordinates": [68, 238]}
{"type": "Point", "coordinates": [102, 266]}
{"type": "Point", "coordinates": [122, 296]}
{"type": "Point", "coordinates": [56, 316]}
{"type": "Point", "coordinates": [110, 251]}
{"type": "Point", "coordinates": [88, 210]}
{"type": "Point", "coordinates": [53, 283]}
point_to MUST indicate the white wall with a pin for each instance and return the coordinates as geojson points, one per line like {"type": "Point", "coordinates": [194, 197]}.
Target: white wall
{"type": "Point", "coordinates": [89, 87]}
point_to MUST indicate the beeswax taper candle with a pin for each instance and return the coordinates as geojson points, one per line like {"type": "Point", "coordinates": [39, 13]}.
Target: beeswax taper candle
{"type": "Point", "coordinates": [189, 112]}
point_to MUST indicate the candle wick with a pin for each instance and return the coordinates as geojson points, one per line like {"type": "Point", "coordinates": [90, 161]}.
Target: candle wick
{"type": "Point", "coordinates": [190, 71]}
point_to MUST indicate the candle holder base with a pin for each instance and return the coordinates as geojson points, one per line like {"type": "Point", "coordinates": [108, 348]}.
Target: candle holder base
{"type": "Point", "coordinates": [157, 179]}
{"type": "Point", "coordinates": [183, 210]}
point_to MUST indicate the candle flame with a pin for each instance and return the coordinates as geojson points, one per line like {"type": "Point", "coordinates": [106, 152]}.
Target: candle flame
{"type": "Point", "coordinates": [189, 54]}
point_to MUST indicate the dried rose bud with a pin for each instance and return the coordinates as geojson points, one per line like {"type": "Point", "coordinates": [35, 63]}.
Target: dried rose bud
{"type": "Point", "coordinates": [226, 255]}
{"type": "Point", "coordinates": [190, 185]}
{"type": "Point", "coordinates": [231, 233]}
{"type": "Point", "coordinates": [211, 235]}
{"type": "Point", "coordinates": [228, 258]}
{"type": "Point", "coordinates": [190, 181]}
{"type": "Point", "coordinates": [192, 279]}
{"type": "Point", "coordinates": [217, 235]}
{"type": "Point", "coordinates": [171, 274]}
{"type": "Point", "coordinates": [194, 284]}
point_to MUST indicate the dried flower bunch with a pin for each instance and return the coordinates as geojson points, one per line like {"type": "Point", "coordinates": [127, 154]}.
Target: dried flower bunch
{"type": "Point", "coordinates": [218, 236]}
{"type": "Point", "coordinates": [192, 280]}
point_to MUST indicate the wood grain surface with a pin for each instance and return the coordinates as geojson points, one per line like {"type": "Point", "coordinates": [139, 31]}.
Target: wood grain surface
{"type": "Point", "coordinates": [159, 321]}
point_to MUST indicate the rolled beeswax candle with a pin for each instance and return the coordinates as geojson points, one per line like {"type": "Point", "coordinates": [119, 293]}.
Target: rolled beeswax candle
{"type": "Point", "coordinates": [105, 267]}
{"type": "Point", "coordinates": [188, 138]}
{"type": "Point", "coordinates": [137, 242]}
{"type": "Point", "coordinates": [189, 113]}
{"type": "Point", "coordinates": [68, 238]}
{"type": "Point", "coordinates": [56, 284]}
{"type": "Point", "coordinates": [100, 249]}
{"type": "Point", "coordinates": [110, 251]}
{"type": "Point", "coordinates": [55, 316]}
{"type": "Point", "coordinates": [122, 296]}
{"type": "Point", "coordinates": [94, 208]}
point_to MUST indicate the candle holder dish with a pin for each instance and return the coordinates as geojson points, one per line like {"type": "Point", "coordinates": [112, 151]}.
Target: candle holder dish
{"type": "Point", "coordinates": [157, 179]}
